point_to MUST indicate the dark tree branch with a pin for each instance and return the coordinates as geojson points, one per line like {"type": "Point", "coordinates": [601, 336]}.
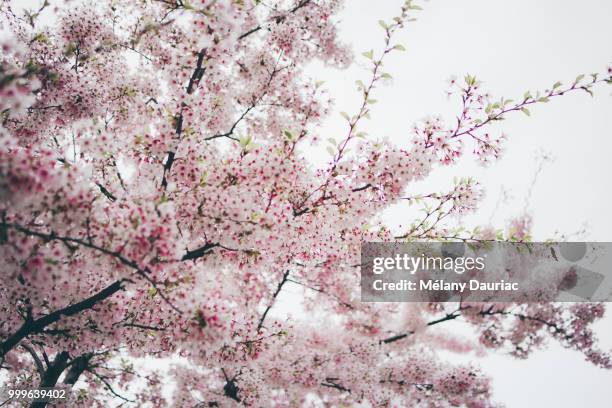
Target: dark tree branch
{"type": "Point", "coordinates": [52, 374]}
{"type": "Point", "coordinates": [331, 383]}
{"type": "Point", "coordinates": [277, 19]}
{"type": "Point", "coordinates": [278, 289]}
{"type": "Point", "coordinates": [198, 72]}
{"type": "Point", "coordinates": [109, 387]}
{"type": "Point", "coordinates": [33, 326]}
{"type": "Point", "coordinates": [229, 133]}
{"type": "Point", "coordinates": [77, 366]}
{"type": "Point", "coordinates": [301, 209]}
{"type": "Point", "coordinates": [52, 236]}
{"type": "Point", "coordinates": [551, 325]}
{"type": "Point", "coordinates": [392, 339]}
{"type": "Point", "coordinates": [252, 106]}
{"type": "Point", "coordinates": [107, 193]}
{"type": "Point", "coordinates": [145, 327]}
{"type": "Point", "coordinates": [39, 365]}
{"type": "Point", "coordinates": [199, 252]}
{"type": "Point", "coordinates": [230, 389]}
{"type": "Point", "coordinates": [194, 80]}
{"type": "Point", "coordinates": [342, 302]}
{"type": "Point", "coordinates": [362, 188]}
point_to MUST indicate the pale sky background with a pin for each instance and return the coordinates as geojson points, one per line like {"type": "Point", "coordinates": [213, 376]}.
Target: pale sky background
{"type": "Point", "coordinates": [512, 46]}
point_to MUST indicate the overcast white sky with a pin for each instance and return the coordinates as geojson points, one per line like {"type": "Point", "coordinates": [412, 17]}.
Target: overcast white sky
{"type": "Point", "coordinates": [512, 46]}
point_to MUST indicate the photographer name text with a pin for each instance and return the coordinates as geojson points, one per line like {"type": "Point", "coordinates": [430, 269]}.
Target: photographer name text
{"type": "Point", "coordinates": [442, 285]}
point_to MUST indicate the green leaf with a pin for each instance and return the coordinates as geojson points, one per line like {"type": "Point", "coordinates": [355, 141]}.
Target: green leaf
{"type": "Point", "coordinates": [557, 84]}
{"type": "Point", "coordinates": [470, 80]}
{"type": "Point", "coordinates": [345, 115]}
{"type": "Point", "coordinates": [526, 111]}
{"type": "Point", "coordinates": [371, 101]}
{"type": "Point", "coordinates": [40, 37]}
{"type": "Point", "coordinates": [331, 150]}
{"type": "Point", "coordinates": [383, 24]}
{"type": "Point", "coordinates": [399, 47]}
{"type": "Point", "coordinates": [203, 179]}
{"type": "Point", "coordinates": [246, 140]}
{"type": "Point", "coordinates": [579, 78]}
{"type": "Point", "coordinates": [368, 54]}
{"type": "Point", "coordinates": [386, 75]}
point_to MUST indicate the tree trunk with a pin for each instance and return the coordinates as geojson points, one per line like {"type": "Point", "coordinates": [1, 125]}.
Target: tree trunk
{"type": "Point", "coordinates": [49, 379]}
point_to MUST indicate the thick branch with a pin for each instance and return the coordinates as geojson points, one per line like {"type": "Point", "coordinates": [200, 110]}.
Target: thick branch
{"type": "Point", "coordinates": [77, 367]}
{"type": "Point", "coordinates": [230, 389]}
{"type": "Point", "coordinates": [37, 325]}
{"type": "Point", "coordinates": [198, 72]}
{"type": "Point", "coordinates": [51, 236]}
{"type": "Point", "coordinates": [52, 374]}
{"type": "Point", "coordinates": [199, 252]}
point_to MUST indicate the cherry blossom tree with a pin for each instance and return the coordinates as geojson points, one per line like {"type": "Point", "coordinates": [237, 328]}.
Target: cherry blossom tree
{"type": "Point", "coordinates": [156, 198]}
